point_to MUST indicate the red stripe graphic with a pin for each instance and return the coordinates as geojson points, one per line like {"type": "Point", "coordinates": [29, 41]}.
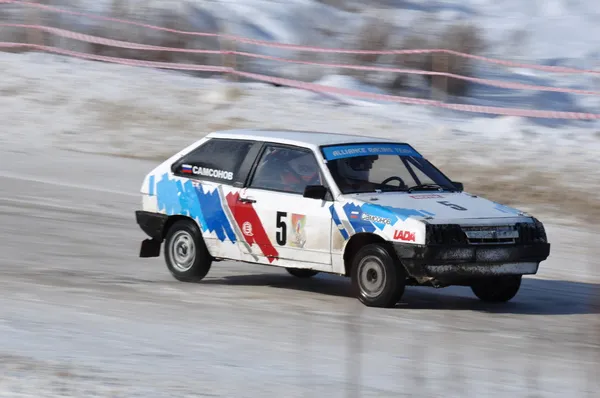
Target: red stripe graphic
{"type": "Point", "coordinates": [245, 213]}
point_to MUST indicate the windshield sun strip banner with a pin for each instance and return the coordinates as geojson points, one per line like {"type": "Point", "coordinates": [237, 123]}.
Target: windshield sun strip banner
{"type": "Point", "coordinates": [354, 150]}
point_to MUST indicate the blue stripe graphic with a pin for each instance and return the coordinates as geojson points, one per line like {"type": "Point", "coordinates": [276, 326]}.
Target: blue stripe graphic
{"type": "Point", "coordinates": [175, 197]}
{"type": "Point", "coordinates": [151, 186]}
{"type": "Point", "coordinates": [338, 223]}
{"type": "Point", "coordinates": [214, 215]}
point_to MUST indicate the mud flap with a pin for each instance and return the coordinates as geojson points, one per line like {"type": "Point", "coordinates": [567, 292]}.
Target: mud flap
{"type": "Point", "coordinates": [150, 248]}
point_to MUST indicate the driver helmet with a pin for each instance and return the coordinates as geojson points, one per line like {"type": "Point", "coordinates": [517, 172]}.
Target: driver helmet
{"type": "Point", "coordinates": [356, 168]}
{"type": "Point", "coordinates": [305, 167]}
{"type": "Point", "coordinates": [278, 160]}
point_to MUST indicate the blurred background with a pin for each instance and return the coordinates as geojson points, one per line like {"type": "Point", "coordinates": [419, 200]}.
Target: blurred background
{"type": "Point", "coordinates": [95, 93]}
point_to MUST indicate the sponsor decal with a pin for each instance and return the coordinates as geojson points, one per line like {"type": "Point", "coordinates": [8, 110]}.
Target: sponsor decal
{"type": "Point", "coordinates": [298, 238]}
{"type": "Point", "coordinates": [376, 219]}
{"type": "Point", "coordinates": [404, 235]}
{"type": "Point", "coordinates": [206, 172]}
{"type": "Point", "coordinates": [247, 229]}
{"type": "Point", "coordinates": [347, 151]}
{"type": "Point", "coordinates": [427, 196]}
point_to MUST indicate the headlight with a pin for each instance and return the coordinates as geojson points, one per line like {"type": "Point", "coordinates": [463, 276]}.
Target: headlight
{"type": "Point", "coordinates": [532, 232]}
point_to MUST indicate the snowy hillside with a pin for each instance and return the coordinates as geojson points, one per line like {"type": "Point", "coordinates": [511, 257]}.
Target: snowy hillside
{"type": "Point", "coordinates": [549, 32]}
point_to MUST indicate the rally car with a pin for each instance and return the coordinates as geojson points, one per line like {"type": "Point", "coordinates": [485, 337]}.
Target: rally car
{"type": "Point", "coordinates": [371, 209]}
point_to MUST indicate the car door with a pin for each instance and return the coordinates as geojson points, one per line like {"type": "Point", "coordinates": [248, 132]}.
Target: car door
{"type": "Point", "coordinates": [273, 215]}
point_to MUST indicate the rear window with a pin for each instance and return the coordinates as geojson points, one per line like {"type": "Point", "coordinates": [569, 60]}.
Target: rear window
{"type": "Point", "coordinates": [217, 159]}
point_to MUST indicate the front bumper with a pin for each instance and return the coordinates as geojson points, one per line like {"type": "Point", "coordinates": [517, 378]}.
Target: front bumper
{"type": "Point", "coordinates": [449, 264]}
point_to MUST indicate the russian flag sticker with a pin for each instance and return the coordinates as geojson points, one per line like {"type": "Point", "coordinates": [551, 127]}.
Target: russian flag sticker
{"type": "Point", "coordinates": [186, 168]}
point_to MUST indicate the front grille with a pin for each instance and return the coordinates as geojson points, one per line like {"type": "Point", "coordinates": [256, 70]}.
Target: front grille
{"type": "Point", "coordinates": [520, 233]}
{"type": "Point", "coordinates": [496, 234]}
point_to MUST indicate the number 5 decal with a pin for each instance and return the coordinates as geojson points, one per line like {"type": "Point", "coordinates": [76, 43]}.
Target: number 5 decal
{"type": "Point", "coordinates": [451, 205]}
{"type": "Point", "coordinates": [281, 235]}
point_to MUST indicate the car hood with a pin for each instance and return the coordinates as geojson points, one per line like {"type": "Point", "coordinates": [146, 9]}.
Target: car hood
{"type": "Point", "coordinates": [436, 207]}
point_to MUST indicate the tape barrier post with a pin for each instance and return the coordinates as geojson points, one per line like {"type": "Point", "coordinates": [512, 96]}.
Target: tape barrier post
{"type": "Point", "coordinates": [233, 59]}
{"type": "Point", "coordinates": [228, 52]}
{"type": "Point", "coordinates": [439, 83]}
{"type": "Point", "coordinates": [32, 16]}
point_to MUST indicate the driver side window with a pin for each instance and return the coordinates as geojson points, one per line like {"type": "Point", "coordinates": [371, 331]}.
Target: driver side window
{"type": "Point", "coordinates": [286, 169]}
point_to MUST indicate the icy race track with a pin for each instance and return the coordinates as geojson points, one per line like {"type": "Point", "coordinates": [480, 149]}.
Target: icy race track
{"type": "Point", "coordinates": [81, 315]}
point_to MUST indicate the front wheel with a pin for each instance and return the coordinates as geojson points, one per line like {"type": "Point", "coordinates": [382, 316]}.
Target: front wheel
{"type": "Point", "coordinates": [301, 273]}
{"type": "Point", "coordinates": [377, 277]}
{"type": "Point", "coordinates": [498, 289]}
{"type": "Point", "coordinates": [186, 254]}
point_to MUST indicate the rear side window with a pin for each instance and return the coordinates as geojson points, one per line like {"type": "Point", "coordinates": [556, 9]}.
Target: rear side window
{"type": "Point", "coordinates": [217, 160]}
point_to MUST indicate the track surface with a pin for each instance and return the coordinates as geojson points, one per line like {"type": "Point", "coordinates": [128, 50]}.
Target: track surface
{"type": "Point", "coordinates": [81, 315]}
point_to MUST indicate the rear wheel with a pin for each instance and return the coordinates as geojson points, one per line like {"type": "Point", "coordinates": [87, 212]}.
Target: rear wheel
{"type": "Point", "coordinates": [378, 278]}
{"type": "Point", "coordinates": [186, 254]}
{"type": "Point", "coordinates": [498, 289]}
{"type": "Point", "coordinates": [302, 273]}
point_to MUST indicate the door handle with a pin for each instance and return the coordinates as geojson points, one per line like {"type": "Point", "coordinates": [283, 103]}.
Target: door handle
{"type": "Point", "coordinates": [247, 200]}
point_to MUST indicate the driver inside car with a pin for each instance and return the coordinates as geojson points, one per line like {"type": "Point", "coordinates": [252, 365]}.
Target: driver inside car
{"type": "Point", "coordinates": [353, 173]}
{"type": "Point", "coordinates": [283, 172]}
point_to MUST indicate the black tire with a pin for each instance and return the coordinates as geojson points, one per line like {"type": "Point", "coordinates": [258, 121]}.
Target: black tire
{"type": "Point", "coordinates": [498, 289]}
{"type": "Point", "coordinates": [302, 273]}
{"type": "Point", "coordinates": [378, 278]}
{"type": "Point", "coordinates": [186, 254]}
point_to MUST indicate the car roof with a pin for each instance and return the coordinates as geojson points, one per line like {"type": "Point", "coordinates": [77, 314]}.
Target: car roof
{"type": "Point", "coordinates": [296, 137]}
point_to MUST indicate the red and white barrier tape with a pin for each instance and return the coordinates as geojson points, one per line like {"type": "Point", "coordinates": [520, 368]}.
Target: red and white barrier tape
{"type": "Point", "coordinates": [319, 87]}
{"type": "Point", "coordinates": [108, 42]}
{"type": "Point", "coordinates": [123, 61]}
{"type": "Point", "coordinates": [128, 45]}
{"type": "Point", "coordinates": [489, 82]}
{"type": "Point", "coordinates": [417, 101]}
{"type": "Point", "coordinates": [546, 68]}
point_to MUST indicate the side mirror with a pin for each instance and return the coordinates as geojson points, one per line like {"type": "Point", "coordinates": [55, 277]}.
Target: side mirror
{"type": "Point", "coordinates": [315, 192]}
{"type": "Point", "coordinates": [458, 185]}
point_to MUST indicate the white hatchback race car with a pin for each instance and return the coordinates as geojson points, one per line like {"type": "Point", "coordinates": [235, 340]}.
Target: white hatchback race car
{"type": "Point", "coordinates": [372, 209]}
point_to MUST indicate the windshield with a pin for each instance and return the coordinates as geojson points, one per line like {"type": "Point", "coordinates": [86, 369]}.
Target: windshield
{"type": "Point", "coordinates": [358, 168]}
